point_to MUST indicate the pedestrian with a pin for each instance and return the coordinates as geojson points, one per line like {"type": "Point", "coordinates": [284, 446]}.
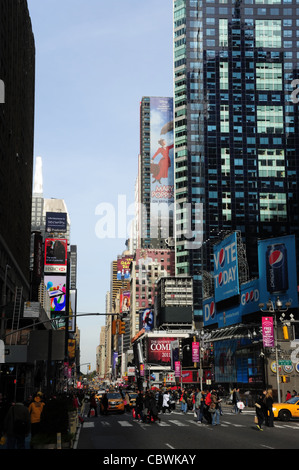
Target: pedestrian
{"type": "Point", "coordinates": [288, 395]}
{"type": "Point", "coordinates": [35, 409]}
{"type": "Point", "coordinates": [260, 411]}
{"type": "Point", "coordinates": [165, 405]}
{"type": "Point", "coordinates": [269, 403]}
{"type": "Point", "coordinates": [171, 401]}
{"type": "Point", "coordinates": [93, 405]}
{"type": "Point", "coordinates": [215, 406]}
{"type": "Point", "coordinates": [160, 400]}
{"type": "Point", "coordinates": [199, 406]}
{"type": "Point", "coordinates": [294, 394]}
{"type": "Point", "coordinates": [184, 402]}
{"type": "Point", "coordinates": [152, 409]}
{"type": "Point", "coordinates": [127, 402]}
{"type": "Point", "coordinates": [139, 406]}
{"type": "Point", "coordinates": [17, 426]}
{"type": "Point", "coordinates": [207, 404]}
{"type": "Point", "coordinates": [104, 403]}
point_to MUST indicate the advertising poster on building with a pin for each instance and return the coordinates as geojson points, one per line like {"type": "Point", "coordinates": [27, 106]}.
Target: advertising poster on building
{"type": "Point", "coordinates": [226, 277]}
{"type": "Point", "coordinates": [162, 161]}
{"type": "Point", "coordinates": [177, 369]}
{"type": "Point", "coordinates": [159, 351]}
{"type": "Point", "coordinates": [55, 255]}
{"type": "Point", "coordinates": [146, 319]}
{"type": "Point", "coordinates": [268, 332]}
{"type": "Point", "coordinates": [56, 288]}
{"type": "Point", "coordinates": [123, 268]}
{"type": "Point", "coordinates": [56, 222]}
{"type": "Point", "coordinates": [195, 352]}
{"type": "Point", "coordinates": [125, 298]}
{"type": "Point", "coordinates": [277, 269]}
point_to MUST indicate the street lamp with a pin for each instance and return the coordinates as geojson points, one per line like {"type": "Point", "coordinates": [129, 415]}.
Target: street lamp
{"type": "Point", "coordinates": [274, 308]}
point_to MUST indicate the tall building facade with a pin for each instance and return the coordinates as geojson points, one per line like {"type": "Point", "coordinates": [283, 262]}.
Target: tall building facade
{"type": "Point", "coordinates": [17, 73]}
{"type": "Point", "coordinates": [236, 119]}
{"type": "Point", "coordinates": [154, 186]}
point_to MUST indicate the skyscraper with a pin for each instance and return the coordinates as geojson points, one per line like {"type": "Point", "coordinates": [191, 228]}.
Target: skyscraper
{"type": "Point", "coordinates": [236, 121]}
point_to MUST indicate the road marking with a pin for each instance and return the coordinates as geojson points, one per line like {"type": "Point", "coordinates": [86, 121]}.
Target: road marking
{"type": "Point", "coordinates": [288, 426]}
{"type": "Point", "coordinates": [178, 423]}
{"type": "Point", "coordinates": [170, 447]}
{"type": "Point", "coordinates": [162, 423]}
{"type": "Point", "coordinates": [267, 447]}
{"type": "Point", "coordinates": [88, 425]}
{"type": "Point", "coordinates": [125, 423]}
{"type": "Point", "coordinates": [105, 423]}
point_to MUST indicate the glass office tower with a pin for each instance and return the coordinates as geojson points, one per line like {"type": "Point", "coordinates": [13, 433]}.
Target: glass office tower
{"type": "Point", "coordinates": [236, 124]}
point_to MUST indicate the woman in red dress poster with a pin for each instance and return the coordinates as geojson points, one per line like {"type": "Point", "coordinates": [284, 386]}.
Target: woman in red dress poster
{"type": "Point", "coordinates": [164, 163]}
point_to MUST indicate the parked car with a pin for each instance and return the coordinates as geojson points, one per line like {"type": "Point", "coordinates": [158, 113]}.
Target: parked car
{"type": "Point", "coordinates": [115, 403]}
{"type": "Point", "coordinates": [287, 410]}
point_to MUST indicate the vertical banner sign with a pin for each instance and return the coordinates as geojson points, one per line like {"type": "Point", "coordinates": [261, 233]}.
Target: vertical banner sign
{"type": "Point", "coordinates": [177, 369]}
{"type": "Point", "coordinates": [195, 352]}
{"type": "Point", "coordinates": [141, 370]}
{"type": "Point", "coordinates": [268, 332]}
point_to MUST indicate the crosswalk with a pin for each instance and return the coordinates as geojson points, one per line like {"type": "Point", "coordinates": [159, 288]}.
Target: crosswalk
{"type": "Point", "coordinates": [172, 422]}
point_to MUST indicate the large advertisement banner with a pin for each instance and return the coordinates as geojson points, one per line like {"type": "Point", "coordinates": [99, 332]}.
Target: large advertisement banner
{"type": "Point", "coordinates": [56, 288]}
{"type": "Point", "coordinates": [56, 221]}
{"type": "Point", "coordinates": [159, 351]}
{"type": "Point", "coordinates": [268, 332]}
{"type": "Point", "coordinates": [123, 268]}
{"type": "Point", "coordinates": [277, 269]}
{"type": "Point", "coordinates": [146, 319]}
{"type": "Point", "coordinates": [125, 298]}
{"type": "Point", "coordinates": [162, 161]}
{"type": "Point", "coordinates": [55, 255]}
{"type": "Point", "coordinates": [226, 277]}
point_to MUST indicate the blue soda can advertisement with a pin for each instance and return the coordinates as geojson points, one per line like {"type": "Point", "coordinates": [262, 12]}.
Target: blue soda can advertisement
{"type": "Point", "coordinates": [277, 268]}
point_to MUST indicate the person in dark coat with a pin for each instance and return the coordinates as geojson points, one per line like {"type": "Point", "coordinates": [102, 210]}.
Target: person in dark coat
{"type": "Point", "coordinates": [269, 403]}
{"type": "Point", "coordinates": [17, 426]}
{"type": "Point", "coordinates": [139, 406]}
{"type": "Point", "coordinates": [260, 411]}
{"type": "Point", "coordinates": [93, 405]}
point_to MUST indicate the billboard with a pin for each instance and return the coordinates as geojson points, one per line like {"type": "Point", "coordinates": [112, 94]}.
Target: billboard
{"type": "Point", "coordinates": [226, 277]}
{"type": "Point", "coordinates": [146, 319]}
{"type": "Point", "coordinates": [55, 255]}
{"type": "Point", "coordinates": [158, 351]}
{"type": "Point", "coordinates": [277, 269]}
{"type": "Point", "coordinates": [123, 268]}
{"type": "Point", "coordinates": [56, 222]}
{"type": "Point", "coordinates": [249, 303]}
{"type": "Point", "coordinates": [162, 162]}
{"type": "Point", "coordinates": [56, 288]}
{"type": "Point", "coordinates": [124, 306]}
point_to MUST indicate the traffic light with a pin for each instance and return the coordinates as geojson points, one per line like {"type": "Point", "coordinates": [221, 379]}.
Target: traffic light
{"type": "Point", "coordinates": [114, 327]}
{"type": "Point", "coordinates": [284, 379]}
{"type": "Point", "coordinates": [121, 327]}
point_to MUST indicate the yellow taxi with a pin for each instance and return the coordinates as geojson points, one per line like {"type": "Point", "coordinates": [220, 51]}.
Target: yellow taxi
{"type": "Point", "coordinates": [287, 410]}
{"type": "Point", "coordinates": [99, 394]}
{"type": "Point", "coordinates": [132, 397]}
{"type": "Point", "coordinates": [115, 402]}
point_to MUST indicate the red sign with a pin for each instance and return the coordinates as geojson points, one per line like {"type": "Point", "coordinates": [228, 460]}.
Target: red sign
{"type": "Point", "coordinates": [195, 352]}
{"type": "Point", "coordinates": [159, 350]}
{"type": "Point", "coordinates": [268, 332]}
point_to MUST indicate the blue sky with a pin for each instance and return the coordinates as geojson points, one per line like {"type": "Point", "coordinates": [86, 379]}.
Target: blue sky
{"type": "Point", "coordinates": [95, 60]}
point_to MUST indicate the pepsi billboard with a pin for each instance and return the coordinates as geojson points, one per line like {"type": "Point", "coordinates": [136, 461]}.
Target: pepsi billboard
{"type": "Point", "coordinates": [277, 269]}
{"type": "Point", "coordinates": [249, 303]}
{"type": "Point", "coordinates": [226, 277]}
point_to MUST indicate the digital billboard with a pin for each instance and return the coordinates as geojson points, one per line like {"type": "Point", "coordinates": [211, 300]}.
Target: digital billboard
{"type": "Point", "coordinates": [56, 288]}
{"type": "Point", "coordinates": [56, 222]}
{"type": "Point", "coordinates": [55, 255]}
{"type": "Point", "coordinates": [277, 269]}
{"type": "Point", "coordinates": [226, 276]}
{"type": "Point", "coordinates": [162, 162]}
{"type": "Point", "coordinates": [146, 319]}
{"type": "Point", "coordinates": [158, 351]}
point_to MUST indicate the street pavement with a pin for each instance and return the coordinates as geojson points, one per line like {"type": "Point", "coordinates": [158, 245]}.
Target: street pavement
{"type": "Point", "coordinates": [178, 431]}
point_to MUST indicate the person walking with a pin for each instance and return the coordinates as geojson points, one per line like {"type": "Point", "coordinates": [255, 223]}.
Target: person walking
{"type": "Point", "coordinates": [269, 403]}
{"type": "Point", "coordinates": [165, 405]}
{"type": "Point", "coordinates": [259, 410]}
{"type": "Point", "coordinates": [139, 406]}
{"type": "Point", "coordinates": [17, 426]}
{"type": "Point", "coordinates": [93, 406]}
{"type": "Point", "coordinates": [216, 414]}
{"type": "Point", "coordinates": [199, 406]}
{"type": "Point", "coordinates": [184, 403]}
{"type": "Point", "coordinates": [160, 400]}
{"type": "Point", "coordinates": [207, 404]}
{"type": "Point", "coordinates": [127, 402]}
{"type": "Point", "coordinates": [35, 409]}
{"type": "Point", "coordinates": [288, 395]}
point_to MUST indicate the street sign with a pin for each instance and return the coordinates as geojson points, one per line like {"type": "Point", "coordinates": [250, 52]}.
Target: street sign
{"type": "Point", "coordinates": [285, 362]}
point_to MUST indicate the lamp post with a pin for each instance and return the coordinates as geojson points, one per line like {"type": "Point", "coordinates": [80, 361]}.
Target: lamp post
{"type": "Point", "coordinates": [188, 349]}
{"type": "Point", "coordinates": [274, 308]}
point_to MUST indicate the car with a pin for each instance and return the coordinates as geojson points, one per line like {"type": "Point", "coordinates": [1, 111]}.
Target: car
{"type": "Point", "coordinates": [115, 402]}
{"type": "Point", "coordinates": [132, 397]}
{"type": "Point", "coordinates": [287, 410]}
{"type": "Point", "coordinates": [99, 394]}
